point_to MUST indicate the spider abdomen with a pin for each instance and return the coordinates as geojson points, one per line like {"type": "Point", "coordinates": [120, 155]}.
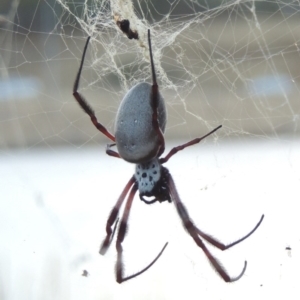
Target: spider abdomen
{"type": "Point", "coordinates": [136, 139]}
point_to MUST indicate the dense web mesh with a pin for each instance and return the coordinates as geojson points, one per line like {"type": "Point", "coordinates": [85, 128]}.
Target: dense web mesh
{"type": "Point", "coordinates": [233, 63]}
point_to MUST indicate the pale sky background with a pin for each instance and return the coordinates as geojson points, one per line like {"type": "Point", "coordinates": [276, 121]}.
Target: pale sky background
{"type": "Point", "coordinates": [54, 207]}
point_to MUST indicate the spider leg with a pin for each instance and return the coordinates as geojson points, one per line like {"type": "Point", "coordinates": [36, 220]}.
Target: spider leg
{"type": "Point", "coordinates": [113, 217]}
{"type": "Point", "coordinates": [183, 146]}
{"type": "Point", "coordinates": [192, 230]}
{"type": "Point", "coordinates": [112, 152]}
{"type": "Point", "coordinates": [83, 103]}
{"type": "Point", "coordinates": [222, 246]}
{"type": "Point", "coordinates": [154, 102]}
{"type": "Point", "coordinates": [120, 238]}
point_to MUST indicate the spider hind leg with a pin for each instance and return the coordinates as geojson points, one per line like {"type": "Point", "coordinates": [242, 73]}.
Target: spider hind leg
{"type": "Point", "coordinates": [120, 238]}
{"type": "Point", "coordinates": [195, 233]}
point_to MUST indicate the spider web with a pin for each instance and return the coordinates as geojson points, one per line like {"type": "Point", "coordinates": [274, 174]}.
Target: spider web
{"type": "Point", "coordinates": [234, 63]}
{"type": "Point", "coordinates": [219, 62]}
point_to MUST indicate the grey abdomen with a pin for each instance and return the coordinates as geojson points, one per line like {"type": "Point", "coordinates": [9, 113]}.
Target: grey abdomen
{"type": "Point", "coordinates": [136, 139]}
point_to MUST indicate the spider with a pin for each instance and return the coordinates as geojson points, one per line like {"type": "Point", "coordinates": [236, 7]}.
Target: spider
{"type": "Point", "coordinates": [139, 127]}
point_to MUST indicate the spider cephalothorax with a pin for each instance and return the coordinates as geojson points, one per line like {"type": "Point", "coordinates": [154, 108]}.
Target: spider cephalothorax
{"type": "Point", "coordinates": [139, 138]}
{"type": "Point", "coordinates": [152, 181]}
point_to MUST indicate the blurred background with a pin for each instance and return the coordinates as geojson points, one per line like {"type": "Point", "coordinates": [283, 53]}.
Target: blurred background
{"type": "Point", "coordinates": [234, 63]}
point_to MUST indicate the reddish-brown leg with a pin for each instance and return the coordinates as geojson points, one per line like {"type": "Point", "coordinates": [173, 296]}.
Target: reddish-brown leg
{"type": "Point", "coordinates": [188, 144]}
{"type": "Point", "coordinates": [83, 103]}
{"type": "Point", "coordinates": [222, 246]}
{"type": "Point", "coordinates": [154, 102]}
{"type": "Point", "coordinates": [112, 152]}
{"type": "Point", "coordinates": [194, 232]}
{"type": "Point", "coordinates": [113, 217]}
{"type": "Point", "coordinates": [120, 238]}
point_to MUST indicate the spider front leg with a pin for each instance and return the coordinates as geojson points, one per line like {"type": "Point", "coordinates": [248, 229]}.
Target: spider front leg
{"type": "Point", "coordinates": [188, 144]}
{"type": "Point", "coordinates": [83, 103]}
{"type": "Point", "coordinates": [194, 232]}
{"type": "Point", "coordinates": [154, 102]}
